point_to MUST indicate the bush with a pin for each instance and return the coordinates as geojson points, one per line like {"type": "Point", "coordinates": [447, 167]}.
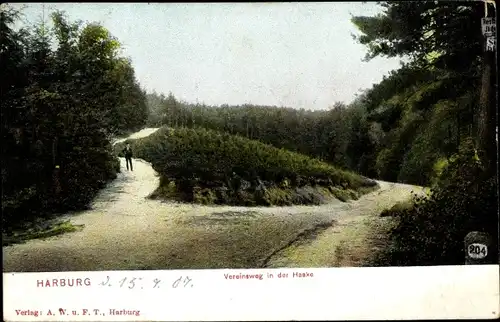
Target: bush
{"type": "Point", "coordinates": [204, 159]}
{"type": "Point", "coordinates": [36, 188]}
{"type": "Point", "coordinates": [432, 230]}
{"type": "Point", "coordinates": [397, 209]}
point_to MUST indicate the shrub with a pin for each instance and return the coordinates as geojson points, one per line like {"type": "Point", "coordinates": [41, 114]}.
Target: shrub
{"type": "Point", "coordinates": [397, 209]}
{"type": "Point", "coordinates": [432, 230]}
{"type": "Point", "coordinates": [204, 159]}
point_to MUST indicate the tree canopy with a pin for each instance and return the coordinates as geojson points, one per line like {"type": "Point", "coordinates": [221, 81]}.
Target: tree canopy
{"type": "Point", "coordinates": [65, 90]}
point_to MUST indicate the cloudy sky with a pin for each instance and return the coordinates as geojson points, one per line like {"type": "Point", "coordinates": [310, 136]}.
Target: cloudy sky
{"type": "Point", "coordinates": [299, 55]}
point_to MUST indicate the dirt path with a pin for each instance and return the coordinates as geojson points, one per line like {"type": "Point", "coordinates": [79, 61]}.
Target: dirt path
{"type": "Point", "coordinates": [125, 230]}
{"type": "Point", "coordinates": [353, 240]}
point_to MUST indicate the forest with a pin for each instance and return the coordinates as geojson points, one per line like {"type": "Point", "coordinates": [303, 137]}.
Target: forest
{"type": "Point", "coordinates": [430, 123]}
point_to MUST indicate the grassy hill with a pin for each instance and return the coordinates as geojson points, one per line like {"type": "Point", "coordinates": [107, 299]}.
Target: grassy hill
{"type": "Point", "coordinates": [210, 167]}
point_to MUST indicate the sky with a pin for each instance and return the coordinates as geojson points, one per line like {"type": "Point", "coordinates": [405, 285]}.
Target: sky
{"type": "Point", "coordinates": [299, 55]}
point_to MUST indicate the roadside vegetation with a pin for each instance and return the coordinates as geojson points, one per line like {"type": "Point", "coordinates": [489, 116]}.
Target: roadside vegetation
{"type": "Point", "coordinates": [40, 231]}
{"type": "Point", "coordinates": [443, 106]}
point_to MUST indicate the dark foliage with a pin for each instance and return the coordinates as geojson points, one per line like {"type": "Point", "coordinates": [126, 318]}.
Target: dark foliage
{"type": "Point", "coordinates": [59, 108]}
{"type": "Point", "coordinates": [432, 231]}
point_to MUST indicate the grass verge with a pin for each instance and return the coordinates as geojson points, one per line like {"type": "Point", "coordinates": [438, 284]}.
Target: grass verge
{"type": "Point", "coordinates": [37, 232]}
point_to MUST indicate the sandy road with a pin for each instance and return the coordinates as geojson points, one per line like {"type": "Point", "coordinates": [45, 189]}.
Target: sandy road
{"type": "Point", "coordinates": [125, 230]}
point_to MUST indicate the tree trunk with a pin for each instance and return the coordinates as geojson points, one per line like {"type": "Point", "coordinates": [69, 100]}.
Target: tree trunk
{"type": "Point", "coordinates": [487, 114]}
{"type": "Point", "coordinates": [457, 139]}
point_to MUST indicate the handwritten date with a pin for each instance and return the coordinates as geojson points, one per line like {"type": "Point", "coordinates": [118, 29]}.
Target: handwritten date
{"type": "Point", "coordinates": [142, 283]}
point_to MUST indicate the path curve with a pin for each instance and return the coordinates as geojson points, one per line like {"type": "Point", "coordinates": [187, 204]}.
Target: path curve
{"type": "Point", "coordinates": [125, 230]}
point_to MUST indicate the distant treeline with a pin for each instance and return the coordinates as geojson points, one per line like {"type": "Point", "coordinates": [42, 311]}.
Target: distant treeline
{"type": "Point", "coordinates": [399, 130]}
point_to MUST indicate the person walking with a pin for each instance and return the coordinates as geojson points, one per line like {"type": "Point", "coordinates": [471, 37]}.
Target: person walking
{"type": "Point", "coordinates": [128, 156]}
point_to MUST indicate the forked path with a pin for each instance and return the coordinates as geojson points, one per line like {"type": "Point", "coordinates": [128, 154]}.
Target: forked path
{"type": "Point", "coordinates": [125, 230]}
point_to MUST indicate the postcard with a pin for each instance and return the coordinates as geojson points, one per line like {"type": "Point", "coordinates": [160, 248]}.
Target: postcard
{"type": "Point", "coordinates": [249, 161]}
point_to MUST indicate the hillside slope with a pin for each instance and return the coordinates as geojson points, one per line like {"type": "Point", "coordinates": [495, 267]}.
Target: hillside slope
{"type": "Point", "coordinates": [210, 167]}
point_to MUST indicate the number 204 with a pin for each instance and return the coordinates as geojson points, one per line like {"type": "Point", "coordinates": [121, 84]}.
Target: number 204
{"type": "Point", "coordinates": [477, 251]}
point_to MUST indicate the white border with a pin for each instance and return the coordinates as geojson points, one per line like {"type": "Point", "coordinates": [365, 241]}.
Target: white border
{"type": "Point", "coordinates": [434, 292]}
